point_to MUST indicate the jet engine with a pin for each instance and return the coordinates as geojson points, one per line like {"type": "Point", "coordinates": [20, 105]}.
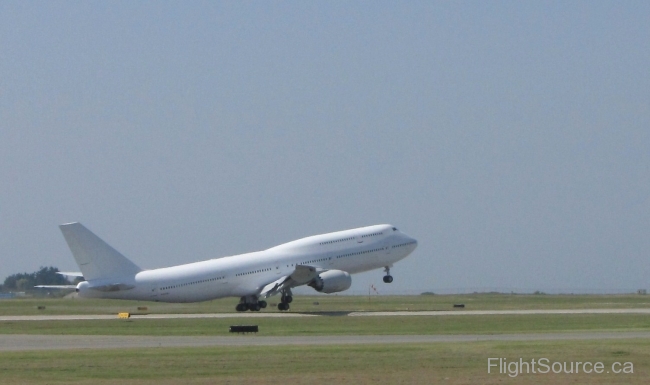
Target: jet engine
{"type": "Point", "coordinates": [331, 281]}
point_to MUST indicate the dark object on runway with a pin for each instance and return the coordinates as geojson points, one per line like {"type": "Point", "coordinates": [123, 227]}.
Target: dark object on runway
{"type": "Point", "coordinates": [459, 305]}
{"type": "Point", "coordinates": [244, 329]}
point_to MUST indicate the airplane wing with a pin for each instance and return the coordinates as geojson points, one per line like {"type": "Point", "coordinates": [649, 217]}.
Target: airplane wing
{"type": "Point", "coordinates": [301, 275]}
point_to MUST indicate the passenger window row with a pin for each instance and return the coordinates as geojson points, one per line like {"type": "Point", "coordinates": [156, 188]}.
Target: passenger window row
{"type": "Point", "coordinates": [253, 272]}
{"type": "Point", "coordinates": [336, 240]}
{"type": "Point", "coordinates": [360, 252]}
{"type": "Point", "coordinates": [191, 283]}
{"type": "Point", "coordinates": [404, 244]}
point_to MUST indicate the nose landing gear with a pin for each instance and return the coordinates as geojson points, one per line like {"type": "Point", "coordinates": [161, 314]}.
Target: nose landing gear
{"type": "Point", "coordinates": [387, 278]}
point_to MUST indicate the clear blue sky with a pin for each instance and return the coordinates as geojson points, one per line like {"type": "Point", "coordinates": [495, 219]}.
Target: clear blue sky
{"type": "Point", "coordinates": [512, 139]}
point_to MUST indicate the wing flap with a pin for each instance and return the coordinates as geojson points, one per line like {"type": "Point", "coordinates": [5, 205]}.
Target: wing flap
{"type": "Point", "coordinates": [301, 275]}
{"type": "Point", "coordinates": [274, 287]}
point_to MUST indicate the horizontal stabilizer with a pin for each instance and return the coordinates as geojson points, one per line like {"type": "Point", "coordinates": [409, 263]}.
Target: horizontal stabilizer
{"type": "Point", "coordinates": [70, 287]}
{"type": "Point", "coordinates": [71, 274]}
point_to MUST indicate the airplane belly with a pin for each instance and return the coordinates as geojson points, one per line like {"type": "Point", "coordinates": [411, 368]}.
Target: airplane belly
{"type": "Point", "coordinates": [244, 288]}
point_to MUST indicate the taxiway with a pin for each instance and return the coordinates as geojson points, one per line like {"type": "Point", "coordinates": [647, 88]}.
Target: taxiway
{"type": "Point", "coordinates": [348, 314]}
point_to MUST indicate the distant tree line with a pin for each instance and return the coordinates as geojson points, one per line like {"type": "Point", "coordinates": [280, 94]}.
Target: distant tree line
{"type": "Point", "coordinates": [27, 281]}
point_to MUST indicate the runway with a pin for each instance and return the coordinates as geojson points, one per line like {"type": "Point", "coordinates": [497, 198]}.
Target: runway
{"type": "Point", "coordinates": [15, 342]}
{"type": "Point", "coordinates": [348, 314]}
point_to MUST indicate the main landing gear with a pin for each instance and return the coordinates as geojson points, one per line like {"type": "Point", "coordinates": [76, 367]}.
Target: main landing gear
{"type": "Point", "coordinates": [250, 303]}
{"type": "Point", "coordinates": [387, 278]}
{"type": "Point", "coordinates": [285, 300]}
{"type": "Point", "coordinates": [253, 303]}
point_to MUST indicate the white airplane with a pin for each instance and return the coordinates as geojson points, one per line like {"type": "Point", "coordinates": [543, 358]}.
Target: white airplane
{"type": "Point", "coordinates": [323, 262]}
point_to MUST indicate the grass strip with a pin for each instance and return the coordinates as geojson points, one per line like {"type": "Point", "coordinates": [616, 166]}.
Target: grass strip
{"type": "Point", "coordinates": [459, 363]}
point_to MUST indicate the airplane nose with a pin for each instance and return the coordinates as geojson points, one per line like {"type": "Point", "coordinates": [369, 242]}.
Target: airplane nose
{"type": "Point", "coordinates": [411, 240]}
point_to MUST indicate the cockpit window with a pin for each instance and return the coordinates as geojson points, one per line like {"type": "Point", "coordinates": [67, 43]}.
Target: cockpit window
{"type": "Point", "coordinates": [394, 228]}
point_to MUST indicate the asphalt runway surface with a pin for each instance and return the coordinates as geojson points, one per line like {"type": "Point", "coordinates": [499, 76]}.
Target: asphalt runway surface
{"type": "Point", "coordinates": [15, 342]}
{"type": "Point", "coordinates": [348, 314]}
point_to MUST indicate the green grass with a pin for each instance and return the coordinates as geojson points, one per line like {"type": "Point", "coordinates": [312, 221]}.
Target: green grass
{"type": "Point", "coordinates": [459, 363]}
{"type": "Point", "coordinates": [448, 363]}
{"type": "Point", "coordinates": [333, 303]}
{"type": "Point", "coordinates": [326, 325]}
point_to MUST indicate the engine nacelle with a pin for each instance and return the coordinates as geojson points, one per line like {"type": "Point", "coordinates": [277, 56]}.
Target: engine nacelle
{"type": "Point", "coordinates": [331, 281]}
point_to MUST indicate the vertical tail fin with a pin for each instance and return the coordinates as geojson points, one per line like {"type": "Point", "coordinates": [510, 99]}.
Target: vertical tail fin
{"type": "Point", "coordinates": [96, 258]}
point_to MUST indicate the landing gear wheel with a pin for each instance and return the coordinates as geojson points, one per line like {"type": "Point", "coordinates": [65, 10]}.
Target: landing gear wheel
{"type": "Point", "coordinates": [283, 306]}
{"type": "Point", "coordinates": [241, 307]}
{"type": "Point", "coordinates": [288, 299]}
{"type": "Point", "coordinates": [254, 307]}
{"type": "Point", "coordinates": [387, 278]}
{"type": "Point", "coordinates": [263, 304]}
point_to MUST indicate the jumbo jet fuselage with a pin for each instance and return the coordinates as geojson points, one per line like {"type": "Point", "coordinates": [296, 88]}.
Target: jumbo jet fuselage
{"type": "Point", "coordinates": [321, 261]}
